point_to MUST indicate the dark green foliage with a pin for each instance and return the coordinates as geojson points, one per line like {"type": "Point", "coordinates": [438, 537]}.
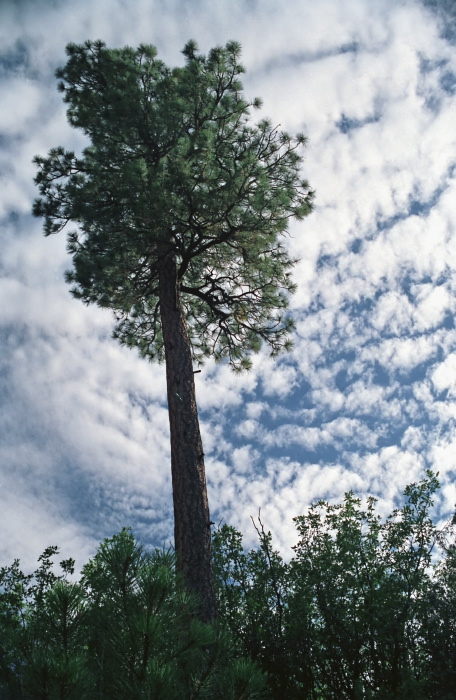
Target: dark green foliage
{"type": "Point", "coordinates": [252, 595]}
{"type": "Point", "coordinates": [175, 167]}
{"type": "Point", "coordinates": [364, 610]}
{"type": "Point", "coordinates": [361, 611]}
{"type": "Point", "coordinates": [42, 634]}
{"type": "Point", "coordinates": [127, 631]}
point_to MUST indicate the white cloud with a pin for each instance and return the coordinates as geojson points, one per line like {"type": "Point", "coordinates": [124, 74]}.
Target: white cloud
{"type": "Point", "coordinates": [444, 376]}
{"type": "Point", "coordinates": [88, 419]}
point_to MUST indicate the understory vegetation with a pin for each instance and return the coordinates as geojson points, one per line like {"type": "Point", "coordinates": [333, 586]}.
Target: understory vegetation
{"type": "Point", "coordinates": [365, 609]}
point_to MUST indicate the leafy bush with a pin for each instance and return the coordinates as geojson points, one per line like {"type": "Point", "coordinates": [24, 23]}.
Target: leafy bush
{"type": "Point", "coordinates": [363, 609]}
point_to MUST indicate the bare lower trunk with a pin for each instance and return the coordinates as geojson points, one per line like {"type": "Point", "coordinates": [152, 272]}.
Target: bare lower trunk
{"type": "Point", "coordinates": [192, 533]}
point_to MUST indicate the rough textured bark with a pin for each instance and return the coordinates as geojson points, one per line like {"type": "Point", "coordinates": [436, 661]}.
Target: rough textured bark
{"type": "Point", "coordinates": [192, 533]}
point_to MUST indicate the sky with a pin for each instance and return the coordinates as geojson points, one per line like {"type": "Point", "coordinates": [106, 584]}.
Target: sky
{"type": "Point", "coordinates": [365, 401]}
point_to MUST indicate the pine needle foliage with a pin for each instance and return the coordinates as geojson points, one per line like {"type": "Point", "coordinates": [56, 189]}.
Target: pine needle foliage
{"type": "Point", "coordinates": [127, 630]}
{"type": "Point", "coordinates": [176, 166]}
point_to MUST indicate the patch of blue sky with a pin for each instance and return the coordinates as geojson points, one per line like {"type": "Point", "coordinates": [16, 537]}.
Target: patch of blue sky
{"type": "Point", "coordinates": [304, 57]}
{"type": "Point", "coordinates": [150, 517]}
{"type": "Point", "coordinates": [141, 403]}
{"type": "Point", "coordinates": [429, 65]}
{"type": "Point", "coordinates": [15, 60]}
{"type": "Point", "coordinates": [347, 380]}
{"type": "Point", "coordinates": [348, 124]}
{"type": "Point", "coordinates": [417, 373]}
{"type": "Point", "coordinates": [355, 246]}
{"type": "Point", "coordinates": [5, 140]}
{"type": "Point", "coordinates": [14, 336]}
{"type": "Point", "coordinates": [78, 495]}
{"type": "Point", "coordinates": [448, 82]}
{"type": "Point", "coordinates": [437, 82]}
{"type": "Point", "coordinates": [416, 206]}
{"type": "Point", "coordinates": [296, 452]}
{"type": "Point", "coordinates": [448, 429]}
{"type": "Point", "coordinates": [446, 11]}
{"type": "Point", "coordinates": [327, 260]}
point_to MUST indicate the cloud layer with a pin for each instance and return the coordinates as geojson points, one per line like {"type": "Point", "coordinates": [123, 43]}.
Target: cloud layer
{"type": "Point", "coordinates": [366, 399]}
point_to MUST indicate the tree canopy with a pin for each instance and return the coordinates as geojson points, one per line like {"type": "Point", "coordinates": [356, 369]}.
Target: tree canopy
{"type": "Point", "coordinates": [176, 166]}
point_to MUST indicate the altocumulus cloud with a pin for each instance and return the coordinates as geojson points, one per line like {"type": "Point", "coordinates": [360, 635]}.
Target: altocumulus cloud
{"type": "Point", "coordinates": [366, 398]}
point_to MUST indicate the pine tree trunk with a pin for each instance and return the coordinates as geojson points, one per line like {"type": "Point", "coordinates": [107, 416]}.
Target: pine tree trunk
{"type": "Point", "coordinates": [192, 533]}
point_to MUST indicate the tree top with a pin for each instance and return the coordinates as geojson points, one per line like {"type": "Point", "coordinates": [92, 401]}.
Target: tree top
{"type": "Point", "coordinates": [176, 166]}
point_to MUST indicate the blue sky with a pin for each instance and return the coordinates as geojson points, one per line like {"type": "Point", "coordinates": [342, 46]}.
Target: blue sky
{"type": "Point", "coordinates": [366, 398]}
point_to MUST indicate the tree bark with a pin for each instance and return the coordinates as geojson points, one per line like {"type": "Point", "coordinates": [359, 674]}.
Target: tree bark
{"type": "Point", "coordinates": [192, 532]}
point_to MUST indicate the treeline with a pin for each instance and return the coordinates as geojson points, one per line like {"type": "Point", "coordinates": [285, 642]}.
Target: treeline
{"type": "Point", "coordinates": [365, 609]}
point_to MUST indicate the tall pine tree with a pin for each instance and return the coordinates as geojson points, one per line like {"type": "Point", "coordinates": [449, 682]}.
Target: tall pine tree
{"type": "Point", "coordinates": [181, 204]}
